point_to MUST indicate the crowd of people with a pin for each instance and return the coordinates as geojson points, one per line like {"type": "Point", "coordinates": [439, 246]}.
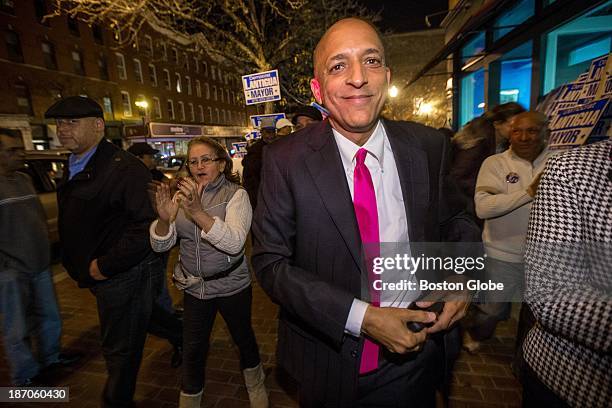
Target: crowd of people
{"type": "Point", "coordinates": [318, 198]}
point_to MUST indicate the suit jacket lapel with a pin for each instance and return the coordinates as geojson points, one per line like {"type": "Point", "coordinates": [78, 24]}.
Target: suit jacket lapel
{"type": "Point", "coordinates": [411, 162]}
{"type": "Point", "coordinates": [325, 167]}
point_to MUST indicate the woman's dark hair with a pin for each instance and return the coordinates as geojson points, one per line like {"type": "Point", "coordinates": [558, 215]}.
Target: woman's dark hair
{"type": "Point", "coordinates": [503, 112]}
{"type": "Point", "coordinates": [220, 152]}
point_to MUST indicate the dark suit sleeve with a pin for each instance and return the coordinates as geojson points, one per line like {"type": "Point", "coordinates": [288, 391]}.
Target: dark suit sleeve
{"type": "Point", "coordinates": [457, 225]}
{"type": "Point", "coordinates": [131, 198]}
{"type": "Point", "coordinates": [301, 293]}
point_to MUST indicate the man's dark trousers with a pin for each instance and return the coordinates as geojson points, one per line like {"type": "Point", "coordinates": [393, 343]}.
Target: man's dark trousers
{"type": "Point", "coordinates": [125, 302]}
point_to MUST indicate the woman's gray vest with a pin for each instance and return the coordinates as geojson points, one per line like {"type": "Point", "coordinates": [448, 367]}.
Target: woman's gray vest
{"type": "Point", "coordinates": [198, 258]}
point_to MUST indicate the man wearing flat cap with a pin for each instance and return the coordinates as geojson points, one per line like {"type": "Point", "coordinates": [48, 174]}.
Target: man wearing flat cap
{"type": "Point", "coordinates": [104, 214]}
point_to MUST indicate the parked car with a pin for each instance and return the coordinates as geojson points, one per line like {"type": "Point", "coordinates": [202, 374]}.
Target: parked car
{"type": "Point", "coordinates": [46, 168]}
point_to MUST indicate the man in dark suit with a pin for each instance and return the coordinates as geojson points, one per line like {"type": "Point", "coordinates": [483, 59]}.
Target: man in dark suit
{"type": "Point", "coordinates": [330, 191]}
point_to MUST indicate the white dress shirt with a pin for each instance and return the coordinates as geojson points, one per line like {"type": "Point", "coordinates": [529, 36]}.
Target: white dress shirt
{"type": "Point", "coordinates": [392, 220]}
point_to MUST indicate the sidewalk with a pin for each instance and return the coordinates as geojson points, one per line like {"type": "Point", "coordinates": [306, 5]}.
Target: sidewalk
{"type": "Point", "coordinates": [481, 380]}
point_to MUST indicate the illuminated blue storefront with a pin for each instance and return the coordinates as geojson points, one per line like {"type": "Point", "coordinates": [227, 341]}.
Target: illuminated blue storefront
{"type": "Point", "coordinates": [502, 51]}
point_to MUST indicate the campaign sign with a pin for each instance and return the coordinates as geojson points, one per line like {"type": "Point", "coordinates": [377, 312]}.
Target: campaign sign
{"type": "Point", "coordinates": [239, 149]}
{"type": "Point", "coordinates": [589, 89]}
{"type": "Point", "coordinates": [572, 127]}
{"type": "Point", "coordinates": [261, 87]}
{"type": "Point", "coordinates": [257, 119]}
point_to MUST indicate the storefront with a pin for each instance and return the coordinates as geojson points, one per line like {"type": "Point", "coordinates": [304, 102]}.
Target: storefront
{"type": "Point", "coordinates": [172, 139]}
{"type": "Point", "coordinates": [502, 51]}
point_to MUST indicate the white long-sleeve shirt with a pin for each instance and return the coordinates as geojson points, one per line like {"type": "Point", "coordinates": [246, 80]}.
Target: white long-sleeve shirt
{"type": "Point", "coordinates": [501, 199]}
{"type": "Point", "coordinates": [392, 220]}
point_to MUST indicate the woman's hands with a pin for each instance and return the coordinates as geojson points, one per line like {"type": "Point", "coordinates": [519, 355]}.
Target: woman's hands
{"type": "Point", "coordinates": [165, 205]}
{"type": "Point", "coordinates": [189, 196]}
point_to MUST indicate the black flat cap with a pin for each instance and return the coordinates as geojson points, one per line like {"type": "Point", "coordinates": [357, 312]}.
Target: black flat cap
{"type": "Point", "coordinates": [142, 148]}
{"type": "Point", "coordinates": [308, 111]}
{"type": "Point", "coordinates": [74, 107]}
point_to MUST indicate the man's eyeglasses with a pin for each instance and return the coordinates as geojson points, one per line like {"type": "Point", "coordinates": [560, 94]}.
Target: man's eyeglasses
{"type": "Point", "coordinates": [205, 160]}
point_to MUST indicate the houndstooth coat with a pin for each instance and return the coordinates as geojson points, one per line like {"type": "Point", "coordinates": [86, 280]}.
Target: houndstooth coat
{"type": "Point", "coordinates": [569, 277]}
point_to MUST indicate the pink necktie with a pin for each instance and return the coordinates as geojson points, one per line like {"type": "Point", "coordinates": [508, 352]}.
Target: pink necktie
{"type": "Point", "coordinates": [364, 201]}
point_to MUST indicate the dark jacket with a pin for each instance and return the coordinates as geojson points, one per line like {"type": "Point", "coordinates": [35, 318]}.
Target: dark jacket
{"type": "Point", "coordinates": [251, 170]}
{"type": "Point", "coordinates": [104, 214]}
{"type": "Point", "coordinates": [306, 250]}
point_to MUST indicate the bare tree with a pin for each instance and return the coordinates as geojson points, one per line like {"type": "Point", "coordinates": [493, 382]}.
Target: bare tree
{"type": "Point", "coordinates": [248, 35]}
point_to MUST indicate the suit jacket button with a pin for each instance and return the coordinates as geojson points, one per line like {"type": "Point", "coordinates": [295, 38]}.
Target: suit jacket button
{"type": "Point", "coordinates": [354, 353]}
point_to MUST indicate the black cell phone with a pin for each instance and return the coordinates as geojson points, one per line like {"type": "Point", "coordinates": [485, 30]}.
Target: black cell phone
{"type": "Point", "coordinates": [416, 327]}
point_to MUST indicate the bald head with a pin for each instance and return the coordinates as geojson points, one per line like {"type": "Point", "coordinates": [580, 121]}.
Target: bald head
{"type": "Point", "coordinates": [351, 78]}
{"type": "Point", "coordinates": [340, 28]}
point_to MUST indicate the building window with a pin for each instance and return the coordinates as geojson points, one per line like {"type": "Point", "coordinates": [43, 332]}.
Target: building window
{"type": "Point", "coordinates": [24, 101]}
{"type": "Point", "coordinates": [103, 67]}
{"type": "Point", "coordinates": [121, 66]}
{"type": "Point", "coordinates": [98, 34]}
{"type": "Point", "coordinates": [179, 88]}
{"type": "Point", "coordinates": [227, 96]}
{"type": "Point", "coordinates": [175, 56]}
{"type": "Point", "coordinates": [223, 116]}
{"type": "Point", "coordinates": [217, 115]}
{"type": "Point", "coordinates": [201, 112]}
{"type": "Point", "coordinates": [73, 26]}
{"type": "Point", "coordinates": [205, 68]}
{"type": "Point", "coordinates": [221, 95]}
{"type": "Point", "coordinates": [167, 83]}
{"type": "Point", "coordinates": [186, 57]}
{"type": "Point", "coordinates": [191, 112]}
{"type": "Point", "coordinates": [152, 75]}
{"type": "Point", "coordinates": [49, 55]}
{"type": "Point", "coordinates": [569, 49]}
{"type": "Point", "coordinates": [181, 106]}
{"type": "Point", "coordinates": [207, 90]}
{"type": "Point", "coordinates": [198, 88]}
{"type": "Point", "coordinates": [107, 105]}
{"type": "Point", "coordinates": [142, 111]}
{"type": "Point", "coordinates": [138, 70]}
{"type": "Point", "coordinates": [473, 50]}
{"type": "Point", "coordinates": [215, 92]}
{"type": "Point", "coordinates": [472, 96]}
{"type": "Point", "coordinates": [164, 50]}
{"type": "Point", "coordinates": [8, 6]}
{"type": "Point", "coordinates": [148, 45]}
{"type": "Point", "coordinates": [515, 76]}
{"type": "Point", "coordinates": [127, 105]}
{"type": "Point", "coordinates": [508, 20]}
{"type": "Point", "coordinates": [188, 85]}
{"type": "Point", "coordinates": [13, 46]}
{"type": "Point", "coordinates": [212, 72]}
{"type": "Point", "coordinates": [40, 8]}
{"type": "Point", "coordinates": [196, 65]}
{"type": "Point", "coordinates": [157, 114]}
{"type": "Point", "coordinates": [77, 63]}
{"type": "Point", "coordinates": [170, 108]}
{"type": "Point", "coordinates": [210, 115]}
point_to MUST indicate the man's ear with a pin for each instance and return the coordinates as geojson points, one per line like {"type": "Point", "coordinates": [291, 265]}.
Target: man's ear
{"type": "Point", "coordinates": [99, 124]}
{"type": "Point", "coordinates": [315, 87]}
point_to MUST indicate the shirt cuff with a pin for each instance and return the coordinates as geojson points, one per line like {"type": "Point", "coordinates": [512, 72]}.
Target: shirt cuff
{"type": "Point", "coordinates": [355, 317]}
{"type": "Point", "coordinates": [216, 232]}
{"type": "Point", "coordinates": [160, 238]}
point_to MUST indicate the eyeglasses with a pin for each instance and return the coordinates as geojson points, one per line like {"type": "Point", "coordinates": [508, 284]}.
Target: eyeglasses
{"type": "Point", "coordinates": [205, 160]}
{"type": "Point", "coordinates": [532, 131]}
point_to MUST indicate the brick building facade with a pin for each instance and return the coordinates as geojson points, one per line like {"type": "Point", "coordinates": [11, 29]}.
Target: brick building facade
{"type": "Point", "coordinates": [41, 61]}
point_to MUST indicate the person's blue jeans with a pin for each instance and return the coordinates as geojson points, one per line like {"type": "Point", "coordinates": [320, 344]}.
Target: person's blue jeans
{"type": "Point", "coordinates": [29, 313]}
{"type": "Point", "coordinates": [125, 302]}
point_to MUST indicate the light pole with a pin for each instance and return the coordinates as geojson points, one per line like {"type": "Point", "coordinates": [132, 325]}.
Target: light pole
{"type": "Point", "coordinates": [144, 105]}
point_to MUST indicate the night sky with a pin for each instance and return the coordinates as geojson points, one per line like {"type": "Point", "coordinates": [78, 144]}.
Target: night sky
{"type": "Point", "coordinates": [407, 15]}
